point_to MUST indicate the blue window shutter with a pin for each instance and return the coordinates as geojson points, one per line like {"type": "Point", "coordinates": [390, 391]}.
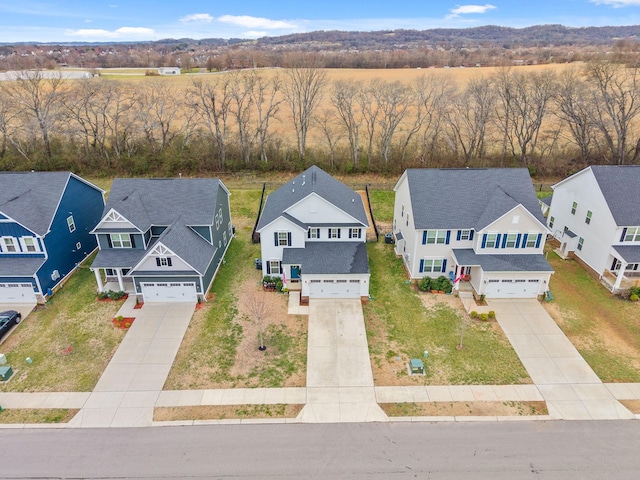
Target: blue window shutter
{"type": "Point", "coordinates": [458, 235]}
{"type": "Point", "coordinates": [424, 238]}
{"type": "Point", "coordinates": [484, 240]}
{"type": "Point", "coordinates": [525, 237]}
{"type": "Point", "coordinates": [470, 234]}
{"type": "Point", "coordinates": [518, 240]}
{"type": "Point", "coordinates": [421, 265]}
{"type": "Point", "coordinates": [498, 240]}
{"type": "Point", "coordinates": [444, 265]}
{"type": "Point", "coordinates": [268, 268]}
{"type": "Point", "coordinates": [446, 242]}
{"type": "Point", "coordinates": [624, 233]}
{"type": "Point", "coordinates": [275, 238]}
{"type": "Point", "coordinates": [504, 240]}
{"type": "Point", "coordinates": [289, 239]}
{"type": "Point", "coordinates": [538, 240]}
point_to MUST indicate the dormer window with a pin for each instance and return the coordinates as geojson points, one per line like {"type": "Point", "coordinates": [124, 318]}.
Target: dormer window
{"type": "Point", "coordinates": [163, 261]}
{"type": "Point", "coordinates": [121, 240]}
{"type": "Point", "coordinates": [9, 244]}
{"type": "Point", "coordinates": [71, 224]}
{"type": "Point", "coordinates": [29, 244]}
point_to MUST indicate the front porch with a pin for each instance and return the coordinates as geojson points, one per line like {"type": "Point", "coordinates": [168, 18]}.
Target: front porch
{"type": "Point", "coordinates": [624, 271]}
{"type": "Point", "coordinates": [627, 280]}
{"type": "Point", "coordinates": [114, 280]}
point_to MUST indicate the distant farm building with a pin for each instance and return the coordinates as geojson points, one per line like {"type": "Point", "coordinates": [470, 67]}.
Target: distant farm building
{"type": "Point", "coordinates": [169, 70]}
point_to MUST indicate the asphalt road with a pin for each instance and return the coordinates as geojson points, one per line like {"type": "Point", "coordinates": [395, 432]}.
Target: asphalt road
{"type": "Point", "coordinates": [509, 450]}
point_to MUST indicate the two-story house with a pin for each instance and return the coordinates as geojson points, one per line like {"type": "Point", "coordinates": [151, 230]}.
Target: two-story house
{"type": "Point", "coordinates": [45, 224]}
{"type": "Point", "coordinates": [478, 225]}
{"type": "Point", "coordinates": [313, 231]}
{"type": "Point", "coordinates": [595, 216]}
{"type": "Point", "coordinates": [163, 239]}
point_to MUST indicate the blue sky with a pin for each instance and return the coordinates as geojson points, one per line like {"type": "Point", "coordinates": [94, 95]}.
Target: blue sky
{"type": "Point", "coordinates": [132, 20]}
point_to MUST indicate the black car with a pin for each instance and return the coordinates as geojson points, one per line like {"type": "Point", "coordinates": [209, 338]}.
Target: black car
{"type": "Point", "coordinates": [8, 319]}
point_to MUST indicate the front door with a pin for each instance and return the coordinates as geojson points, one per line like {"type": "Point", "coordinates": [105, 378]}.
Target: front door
{"type": "Point", "coordinates": [295, 272]}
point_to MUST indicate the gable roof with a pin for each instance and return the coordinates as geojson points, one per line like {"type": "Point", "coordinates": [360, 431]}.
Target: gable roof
{"type": "Point", "coordinates": [620, 186]}
{"type": "Point", "coordinates": [313, 180]}
{"type": "Point", "coordinates": [445, 198]}
{"type": "Point", "coordinates": [329, 258]}
{"type": "Point", "coordinates": [32, 198]}
{"type": "Point", "coordinates": [161, 201]}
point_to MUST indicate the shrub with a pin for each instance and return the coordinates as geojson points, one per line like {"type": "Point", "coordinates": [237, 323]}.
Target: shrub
{"type": "Point", "coordinates": [474, 314]}
{"type": "Point", "coordinates": [634, 291]}
{"type": "Point", "coordinates": [103, 295]}
{"type": "Point", "coordinates": [425, 284]}
{"type": "Point", "coordinates": [482, 297]}
{"type": "Point", "coordinates": [442, 283]}
{"type": "Point", "coordinates": [633, 297]}
{"type": "Point", "coordinates": [484, 317]}
{"type": "Point", "coordinates": [279, 285]}
{"type": "Point", "coordinates": [492, 314]}
{"type": "Point", "coordinates": [117, 295]}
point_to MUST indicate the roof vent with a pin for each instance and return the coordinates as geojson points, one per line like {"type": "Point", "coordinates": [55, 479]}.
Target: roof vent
{"type": "Point", "coordinates": [303, 179]}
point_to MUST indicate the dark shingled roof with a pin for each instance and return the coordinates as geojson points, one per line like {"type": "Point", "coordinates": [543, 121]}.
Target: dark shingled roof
{"type": "Point", "coordinates": [620, 185]}
{"type": "Point", "coordinates": [31, 198]}
{"type": "Point", "coordinates": [630, 253]}
{"type": "Point", "coordinates": [118, 258]}
{"type": "Point", "coordinates": [502, 263]}
{"type": "Point", "coordinates": [313, 180]}
{"type": "Point", "coordinates": [329, 257]}
{"type": "Point", "coordinates": [443, 198]}
{"type": "Point", "coordinates": [20, 267]}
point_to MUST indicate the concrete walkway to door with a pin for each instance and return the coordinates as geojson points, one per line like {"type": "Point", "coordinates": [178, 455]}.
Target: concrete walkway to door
{"type": "Point", "coordinates": [339, 377]}
{"type": "Point", "coordinates": [569, 386]}
{"type": "Point", "coordinates": [131, 384]}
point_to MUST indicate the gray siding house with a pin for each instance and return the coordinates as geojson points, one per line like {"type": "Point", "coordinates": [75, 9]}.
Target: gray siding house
{"type": "Point", "coordinates": [163, 239]}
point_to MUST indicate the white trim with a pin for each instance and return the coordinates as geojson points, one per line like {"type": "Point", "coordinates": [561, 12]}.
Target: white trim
{"type": "Point", "coordinates": [104, 219]}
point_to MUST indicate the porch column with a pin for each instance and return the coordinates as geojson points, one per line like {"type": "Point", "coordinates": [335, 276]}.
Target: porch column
{"type": "Point", "coordinates": [623, 266]}
{"type": "Point", "coordinates": [99, 280]}
{"type": "Point", "coordinates": [120, 282]}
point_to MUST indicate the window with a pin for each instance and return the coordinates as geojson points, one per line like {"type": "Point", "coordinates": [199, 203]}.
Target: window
{"type": "Point", "coordinates": [29, 244]}
{"type": "Point", "coordinates": [402, 212]}
{"type": "Point", "coordinates": [78, 246]}
{"type": "Point", "coordinates": [274, 267]}
{"type": "Point", "coordinates": [9, 244]}
{"type": "Point", "coordinates": [632, 234]}
{"type": "Point", "coordinates": [283, 239]}
{"type": "Point", "coordinates": [224, 237]}
{"type": "Point", "coordinates": [574, 207]}
{"type": "Point", "coordinates": [551, 220]}
{"type": "Point", "coordinates": [436, 236]}
{"type": "Point", "coordinates": [71, 224]}
{"type": "Point", "coordinates": [121, 240]}
{"type": "Point", "coordinates": [163, 261]}
{"type": "Point", "coordinates": [491, 240]}
{"type": "Point", "coordinates": [313, 233]}
{"type": "Point", "coordinates": [432, 265]}
{"type": "Point", "coordinates": [334, 233]}
{"type": "Point", "coordinates": [580, 243]}
{"type": "Point", "coordinates": [531, 240]}
{"type": "Point", "coordinates": [465, 234]}
{"type": "Point", "coordinates": [587, 220]}
{"type": "Point", "coordinates": [511, 240]}
{"type": "Point", "coordinates": [407, 219]}
{"type": "Point", "coordinates": [355, 233]}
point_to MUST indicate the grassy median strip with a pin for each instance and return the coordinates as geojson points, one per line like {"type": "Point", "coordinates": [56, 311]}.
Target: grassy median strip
{"type": "Point", "coordinates": [458, 409]}
{"type": "Point", "coordinates": [226, 412]}
{"type": "Point", "coordinates": [37, 415]}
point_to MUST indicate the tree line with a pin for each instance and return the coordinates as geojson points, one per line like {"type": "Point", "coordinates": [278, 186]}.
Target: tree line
{"type": "Point", "coordinates": [551, 122]}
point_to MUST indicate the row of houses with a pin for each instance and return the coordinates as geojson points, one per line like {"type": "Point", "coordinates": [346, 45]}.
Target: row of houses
{"type": "Point", "coordinates": [164, 240]}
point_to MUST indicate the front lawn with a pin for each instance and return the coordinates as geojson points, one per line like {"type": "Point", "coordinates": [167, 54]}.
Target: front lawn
{"type": "Point", "coordinates": [72, 318]}
{"type": "Point", "coordinates": [399, 328]}
{"type": "Point", "coordinates": [604, 328]}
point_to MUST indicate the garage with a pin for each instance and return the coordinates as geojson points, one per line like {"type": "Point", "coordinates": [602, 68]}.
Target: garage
{"type": "Point", "coordinates": [17, 293]}
{"type": "Point", "coordinates": [169, 292]}
{"type": "Point", "coordinates": [334, 288]}
{"type": "Point", "coordinates": [510, 288]}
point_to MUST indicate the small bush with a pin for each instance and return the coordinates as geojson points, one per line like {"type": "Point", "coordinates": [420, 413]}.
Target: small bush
{"type": "Point", "coordinates": [425, 284]}
{"type": "Point", "coordinates": [117, 295]}
{"type": "Point", "coordinates": [634, 291]}
{"type": "Point", "coordinates": [103, 295]}
{"type": "Point", "coordinates": [474, 314]}
{"type": "Point", "coordinates": [633, 297]}
{"type": "Point", "coordinates": [484, 317]}
{"type": "Point", "coordinates": [442, 283]}
{"type": "Point", "coordinates": [492, 314]}
{"type": "Point", "coordinates": [482, 297]}
{"type": "Point", "coordinates": [279, 285]}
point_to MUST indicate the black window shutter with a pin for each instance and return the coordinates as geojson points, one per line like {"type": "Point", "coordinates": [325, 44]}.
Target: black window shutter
{"type": "Point", "coordinates": [624, 234]}
{"type": "Point", "coordinates": [309, 233]}
{"type": "Point", "coordinates": [169, 261]}
{"type": "Point", "coordinates": [350, 236]}
{"type": "Point", "coordinates": [109, 241]}
{"type": "Point", "coordinates": [133, 241]}
{"type": "Point", "coordinates": [158, 261]}
{"type": "Point", "coordinates": [289, 239]}
{"type": "Point", "coordinates": [268, 268]}
{"type": "Point", "coordinates": [339, 233]}
{"type": "Point", "coordinates": [275, 238]}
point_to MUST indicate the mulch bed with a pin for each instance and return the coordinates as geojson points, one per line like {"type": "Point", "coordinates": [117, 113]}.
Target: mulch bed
{"type": "Point", "coordinates": [123, 323]}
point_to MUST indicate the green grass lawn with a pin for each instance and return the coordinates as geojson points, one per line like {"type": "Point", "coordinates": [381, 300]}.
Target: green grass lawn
{"type": "Point", "coordinates": [72, 317]}
{"type": "Point", "coordinates": [604, 328]}
{"type": "Point", "coordinates": [382, 205]}
{"type": "Point", "coordinates": [399, 325]}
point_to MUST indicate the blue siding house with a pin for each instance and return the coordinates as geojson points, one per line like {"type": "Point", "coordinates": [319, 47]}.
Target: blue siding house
{"type": "Point", "coordinates": [163, 239]}
{"type": "Point", "coordinates": [46, 219]}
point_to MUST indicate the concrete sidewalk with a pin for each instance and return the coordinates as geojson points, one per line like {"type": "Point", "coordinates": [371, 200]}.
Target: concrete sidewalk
{"type": "Point", "coordinates": [570, 387]}
{"type": "Point", "coordinates": [131, 384]}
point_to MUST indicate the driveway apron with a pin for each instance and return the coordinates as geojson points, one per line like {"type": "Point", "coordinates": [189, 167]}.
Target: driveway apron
{"type": "Point", "coordinates": [339, 377]}
{"type": "Point", "coordinates": [130, 385]}
{"type": "Point", "coordinates": [569, 386]}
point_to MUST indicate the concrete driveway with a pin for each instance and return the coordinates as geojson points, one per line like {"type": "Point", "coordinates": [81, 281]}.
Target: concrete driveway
{"type": "Point", "coordinates": [130, 385]}
{"type": "Point", "coordinates": [24, 308]}
{"type": "Point", "coordinates": [568, 384]}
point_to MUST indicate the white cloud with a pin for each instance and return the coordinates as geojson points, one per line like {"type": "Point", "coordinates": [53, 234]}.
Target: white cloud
{"type": "Point", "coordinates": [255, 22]}
{"type": "Point", "coordinates": [255, 34]}
{"type": "Point", "coordinates": [617, 3]}
{"type": "Point", "coordinates": [197, 18]}
{"type": "Point", "coordinates": [467, 9]}
{"type": "Point", "coordinates": [120, 33]}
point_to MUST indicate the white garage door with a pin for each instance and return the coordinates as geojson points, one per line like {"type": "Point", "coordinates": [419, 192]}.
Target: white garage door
{"type": "Point", "coordinates": [509, 288]}
{"type": "Point", "coordinates": [169, 292]}
{"type": "Point", "coordinates": [17, 293]}
{"type": "Point", "coordinates": [334, 288]}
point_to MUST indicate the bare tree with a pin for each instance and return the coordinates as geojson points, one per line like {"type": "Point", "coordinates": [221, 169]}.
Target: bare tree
{"type": "Point", "coordinates": [432, 96]}
{"type": "Point", "coordinates": [344, 99]}
{"type": "Point", "coordinates": [303, 90]}
{"type": "Point", "coordinates": [10, 125]}
{"type": "Point", "coordinates": [370, 112]}
{"type": "Point", "coordinates": [160, 113]}
{"type": "Point", "coordinates": [265, 97]}
{"type": "Point", "coordinates": [241, 106]}
{"type": "Point", "coordinates": [392, 99]}
{"type": "Point", "coordinates": [327, 122]}
{"type": "Point", "coordinates": [260, 309]}
{"type": "Point", "coordinates": [617, 102]}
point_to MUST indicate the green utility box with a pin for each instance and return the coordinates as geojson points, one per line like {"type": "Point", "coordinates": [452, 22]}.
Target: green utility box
{"type": "Point", "coordinates": [5, 373]}
{"type": "Point", "coordinates": [416, 366]}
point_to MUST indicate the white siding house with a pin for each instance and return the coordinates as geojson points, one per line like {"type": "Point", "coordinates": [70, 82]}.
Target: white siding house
{"type": "Point", "coordinates": [313, 232]}
{"type": "Point", "coordinates": [594, 214]}
{"type": "Point", "coordinates": [478, 225]}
